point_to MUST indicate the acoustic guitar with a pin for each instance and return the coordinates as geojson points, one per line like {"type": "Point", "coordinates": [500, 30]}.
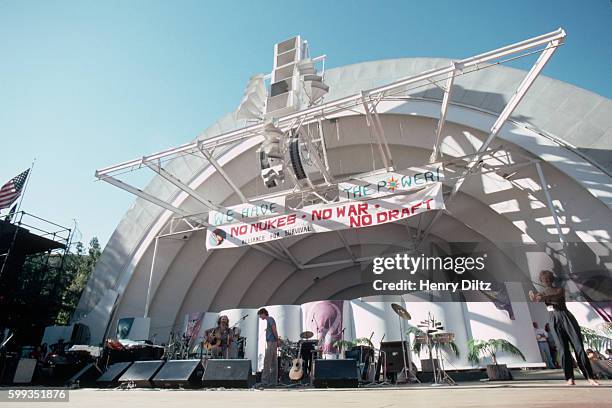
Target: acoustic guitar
{"type": "Point", "coordinates": [297, 366]}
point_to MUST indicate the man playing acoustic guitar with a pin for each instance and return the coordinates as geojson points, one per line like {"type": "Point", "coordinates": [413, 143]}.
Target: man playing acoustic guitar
{"type": "Point", "coordinates": [219, 338]}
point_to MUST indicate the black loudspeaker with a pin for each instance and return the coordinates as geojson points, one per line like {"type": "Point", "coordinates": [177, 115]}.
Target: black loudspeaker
{"type": "Point", "coordinates": [25, 371]}
{"type": "Point", "coordinates": [180, 373]}
{"type": "Point", "coordinates": [141, 373]}
{"type": "Point", "coordinates": [393, 351]}
{"type": "Point", "coordinates": [110, 377]}
{"type": "Point", "coordinates": [426, 365]}
{"type": "Point", "coordinates": [8, 366]}
{"type": "Point", "coordinates": [336, 373]}
{"type": "Point", "coordinates": [228, 374]}
{"type": "Point", "coordinates": [86, 376]}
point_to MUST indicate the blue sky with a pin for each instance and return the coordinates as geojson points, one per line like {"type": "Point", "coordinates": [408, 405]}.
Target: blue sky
{"type": "Point", "coordinates": [88, 84]}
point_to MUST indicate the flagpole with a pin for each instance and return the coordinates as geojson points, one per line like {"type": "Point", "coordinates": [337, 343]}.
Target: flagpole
{"type": "Point", "coordinates": [25, 186]}
{"type": "Point", "coordinates": [6, 258]}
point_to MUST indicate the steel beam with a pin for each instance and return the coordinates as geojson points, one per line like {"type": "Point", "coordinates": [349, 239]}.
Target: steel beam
{"type": "Point", "coordinates": [316, 112]}
{"type": "Point", "coordinates": [170, 177]}
{"type": "Point", "coordinates": [503, 116]}
{"type": "Point", "coordinates": [146, 196]}
{"type": "Point", "coordinates": [448, 93]}
{"type": "Point", "coordinates": [223, 174]}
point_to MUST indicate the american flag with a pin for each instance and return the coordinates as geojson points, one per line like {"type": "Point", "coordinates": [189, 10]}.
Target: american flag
{"type": "Point", "coordinates": [12, 190]}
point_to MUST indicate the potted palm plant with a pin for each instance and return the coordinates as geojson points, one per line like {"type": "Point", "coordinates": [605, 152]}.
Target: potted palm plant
{"type": "Point", "coordinates": [343, 345]}
{"type": "Point", "coordinates": [478, 349]}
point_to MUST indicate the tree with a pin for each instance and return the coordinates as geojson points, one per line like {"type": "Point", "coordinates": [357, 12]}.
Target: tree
{"type": "Point", "coordinates": [77, 269]}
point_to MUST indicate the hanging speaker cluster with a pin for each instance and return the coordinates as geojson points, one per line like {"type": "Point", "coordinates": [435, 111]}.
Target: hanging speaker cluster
{"type": "Point", "coordinates": [270, 156]}
{"type": "Point", "coordinates": [253, 102]}
{"type": "Point", "coordinates": [314, 87]}
{"type": "Point", "coordinates": [302, 161]}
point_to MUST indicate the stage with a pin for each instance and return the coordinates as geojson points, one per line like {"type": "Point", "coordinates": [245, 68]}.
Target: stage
{"type": "Point", "coordinates": [532, 389]}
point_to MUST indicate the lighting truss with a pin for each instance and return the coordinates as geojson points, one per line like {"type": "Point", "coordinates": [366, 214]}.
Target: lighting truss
{"type": "Point", "coordinates": [363, 103]}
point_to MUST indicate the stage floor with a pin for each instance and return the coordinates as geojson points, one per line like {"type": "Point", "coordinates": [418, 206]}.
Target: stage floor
{"type": "Point", "coordinates": [530, 389]}
{"type": "Point", "coordinates": [534, 395]}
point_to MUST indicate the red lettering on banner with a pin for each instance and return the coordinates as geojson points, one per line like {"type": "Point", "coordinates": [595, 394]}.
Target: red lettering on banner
{"type": "Point", "coordinates": [429, 200]}
{"type": "Point", "coordinates": [393, 214]}
{"type": "Point", "coordinates": [414, 207]}
{"type": "Point", "coordinates": [405, 212]}
{"type": "Point", "coordinates": [291, 219]}
{"type": "Point", "coordinates": [340, 211]}
{"type": "Point", "coordinates": [358, 209]}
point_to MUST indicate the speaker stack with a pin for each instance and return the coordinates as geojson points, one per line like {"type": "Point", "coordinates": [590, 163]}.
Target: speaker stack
{"type": "Point", "coordinates": [111, 376]}
{"type": "Point", "coordinates": [228, 374]}
{"type": "Point", "coordinates": [336, 373]}
{"type": "Point", "coordinates": [141, 373]}
{"type": "Point", "coordinates": [180, 373]}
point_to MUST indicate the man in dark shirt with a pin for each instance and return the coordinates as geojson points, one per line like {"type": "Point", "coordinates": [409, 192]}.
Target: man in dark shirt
{"type": "Point", "coordinates": [269, 375]}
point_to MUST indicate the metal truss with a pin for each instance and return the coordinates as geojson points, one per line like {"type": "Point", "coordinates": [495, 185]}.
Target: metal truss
{"type": "Point", "coordinates": [364, 103]}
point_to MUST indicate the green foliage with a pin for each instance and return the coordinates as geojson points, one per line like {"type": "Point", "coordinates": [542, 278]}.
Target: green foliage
{"type": "Point", "coordinates": [47, 290]}
{"type": "Point", "coordinates": [363, 341]}
{"type": "Point", "coordinates": [343, 344]}
{"type": "Point", "coordinates": [490, 348]}
{"type": "Point", "coordinates": [594, 340]}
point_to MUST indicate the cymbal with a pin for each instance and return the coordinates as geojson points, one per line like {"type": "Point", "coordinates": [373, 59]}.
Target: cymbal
{"type": "Point", "coordinates": [306, 334]}
{"type": "Point", "coordinates": [401, 312]}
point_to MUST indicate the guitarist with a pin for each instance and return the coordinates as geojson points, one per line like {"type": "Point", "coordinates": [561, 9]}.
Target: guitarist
{"type": "Point", "coordinates": [219, 338]}
{"type": "Point", "coordinates": [269, 375]}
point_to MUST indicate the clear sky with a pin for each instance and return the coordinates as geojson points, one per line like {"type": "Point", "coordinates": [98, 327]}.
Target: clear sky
{"type": "Point", "coordinates": [87, 84]}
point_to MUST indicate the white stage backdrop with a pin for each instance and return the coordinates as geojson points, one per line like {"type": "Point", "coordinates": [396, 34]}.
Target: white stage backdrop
{"type": "Point", "coordinates": [361, 317]}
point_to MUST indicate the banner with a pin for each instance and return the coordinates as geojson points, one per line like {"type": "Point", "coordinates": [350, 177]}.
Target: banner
{"type": "Point", "coordinates": [382, 184]}
{"type": "Point", "coordinates": [242, 212]}
{"type": "Point", "coordinates": [327, 217]}
{"type": "Point", "coordinates": [324, 319]}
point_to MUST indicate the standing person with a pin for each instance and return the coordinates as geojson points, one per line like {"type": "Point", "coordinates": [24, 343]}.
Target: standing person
{"type": "Point", "coordinates": [269, 375]}
{"type": "Point", "coordinates": [542, 338]}
{"type": "Point", "coordinates": [565, 327]}
{"type": "Point", "coordinates": [551, 344]}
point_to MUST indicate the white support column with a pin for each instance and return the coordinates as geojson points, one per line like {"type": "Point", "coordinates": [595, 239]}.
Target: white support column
{"type": "Point", "coordinates": [223, 174]}
{"type": "Point", "coordinates": [448, 93]}
{"type": "Point", "coordinates": [574, 291]}
{"type": "Point", "coordinates": [346, 245]}
{"type": "Point", "coordinates": [146, 311]}
{"type": "Point", "coordinates": [373, 128]}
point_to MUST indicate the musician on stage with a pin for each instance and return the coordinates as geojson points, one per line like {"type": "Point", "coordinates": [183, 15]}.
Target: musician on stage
{"type": "Point", "coordinates": [218, 339]}
{"type": "Point", "coordinates": [565, 327]}
{"type": "Point", "coordinates": [269, 375]}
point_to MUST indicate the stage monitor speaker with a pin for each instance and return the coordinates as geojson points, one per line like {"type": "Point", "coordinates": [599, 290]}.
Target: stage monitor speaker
{"type": "Point", "coordinates": [336, 373]}
{"type": "Point", "coordinates": [110, 377]}
{"type": "Point", "coordinates": [180, 373]}
{"type": "Point", "coordinates": [8, 367]}
{"type": "Point", "coordinates": [228, 374]}
{"type": "Point", "coordinates": [426, 366]}
{"type": "Point", "coordinates": [86, 376]}
{"type": "Point", "coordinates": [393, 351]}
{"type": "Point", "coordinates": [25, 371]}
{"type": "Point", "coordinates": [141, 373]}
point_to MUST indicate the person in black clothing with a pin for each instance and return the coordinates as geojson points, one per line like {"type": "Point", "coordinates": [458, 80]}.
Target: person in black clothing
{"type": "Point", "coordinates": [565, 327]}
